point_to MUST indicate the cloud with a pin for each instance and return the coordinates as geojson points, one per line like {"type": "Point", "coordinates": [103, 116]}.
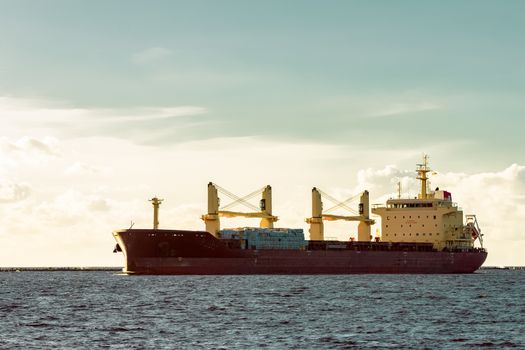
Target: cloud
{"type": "Point", "coordinates": [384, 180]}
{"type": "Point", "coordinates": [385, 105]}
{"type": "Point", "coordinates": [27, 150]}
{"type": "Point", "coordinates": [401, 108]}
{"type": "Point", "coordinates": [13, 192]}
{"type": "Point", "coordinates": [72, 207]}
{"type": "Point", "coordinates": [81, 168]}
{"type": "Point", "coordinates": [146, 124]}
{"type": "Point", "coordinates": [151, 54]}
{"type": "Point", "coordinates": [153, 113]}
{"type": "Point", "coordinates": [98, 204]}
{"type": "Point", "coordinates": [30, 145]}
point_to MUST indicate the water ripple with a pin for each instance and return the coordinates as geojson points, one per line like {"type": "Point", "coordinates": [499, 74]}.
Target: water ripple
{"type": "Point", "coordinates": [99, 310]}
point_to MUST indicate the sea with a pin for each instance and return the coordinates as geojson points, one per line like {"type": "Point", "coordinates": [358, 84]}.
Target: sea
{"type": "Point", "coordinates": [109, 310]}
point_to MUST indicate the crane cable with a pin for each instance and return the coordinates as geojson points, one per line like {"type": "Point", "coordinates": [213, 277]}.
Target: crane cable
{"type": "Point", "coordinates": [339, 203]}
{"type": "Point", "coordinates": [239, 200]}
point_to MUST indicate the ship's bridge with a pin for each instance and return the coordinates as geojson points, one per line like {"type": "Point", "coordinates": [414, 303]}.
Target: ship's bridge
{"type": "Point", "coordinates": [416, 203]}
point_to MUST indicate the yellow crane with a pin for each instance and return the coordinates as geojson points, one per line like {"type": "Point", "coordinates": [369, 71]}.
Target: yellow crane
{"type": "Point", "coordinates": [264, 211]}
{"type": "Point", "coordinates": [363, 215]}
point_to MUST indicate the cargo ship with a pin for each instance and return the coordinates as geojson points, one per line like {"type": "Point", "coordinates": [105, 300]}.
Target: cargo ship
{"type": "Point", "coordinates": [426, 234]}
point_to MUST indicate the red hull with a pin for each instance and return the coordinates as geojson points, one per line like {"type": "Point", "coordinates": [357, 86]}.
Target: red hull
{"type": "Point", "coordinates": [199, 253]}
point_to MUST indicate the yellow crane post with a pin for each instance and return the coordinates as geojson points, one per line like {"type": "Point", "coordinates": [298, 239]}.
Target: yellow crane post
{"type": "Point", "coordinates": [156, 203]}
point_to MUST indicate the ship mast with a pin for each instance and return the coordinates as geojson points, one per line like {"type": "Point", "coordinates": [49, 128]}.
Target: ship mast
{"type": "Point", "coordinates": [156, 203]}
{"type": "Point", "coordinates": [422, 170]}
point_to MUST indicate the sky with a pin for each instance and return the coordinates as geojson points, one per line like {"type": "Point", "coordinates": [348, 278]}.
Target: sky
{"type": "Point", "coordinates": [105, 104]}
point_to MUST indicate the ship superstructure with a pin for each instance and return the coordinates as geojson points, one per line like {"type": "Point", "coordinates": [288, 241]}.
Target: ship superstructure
{"type": "Point", "coordinates": [431, 217]}
{"type": "Point", "coordinates": [421, 235]}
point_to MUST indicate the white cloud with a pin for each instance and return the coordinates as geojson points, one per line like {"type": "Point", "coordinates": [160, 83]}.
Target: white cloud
{"type": "Point", "coordinates": [15, 110]}
{"type": "Point", "coordinates": [13, 192]}
{"type": "Point", "coordinates": [79, 168]}
{"type": "Point", "coordinates": [47, 146]}
{"type": "Point", "coordinates": [153, 113]}
{"type": "Point", "coordinates": [40, 118]}
{"type": "Point", "coordinates": [151, 54]}
{"type": "Point", "coordinates": [27, 150]}
{"type": "Point", "coordinates": [404, 108]}
{"type": "Point", "coordinates": [385, 105]}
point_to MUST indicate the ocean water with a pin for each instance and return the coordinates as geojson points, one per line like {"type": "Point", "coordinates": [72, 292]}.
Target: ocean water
{"type": "Point", "coordinates": [92, 310]}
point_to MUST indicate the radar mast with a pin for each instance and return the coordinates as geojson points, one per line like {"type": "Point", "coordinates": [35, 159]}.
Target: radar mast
{"type": "Point", "coordinates": [422, 170]}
